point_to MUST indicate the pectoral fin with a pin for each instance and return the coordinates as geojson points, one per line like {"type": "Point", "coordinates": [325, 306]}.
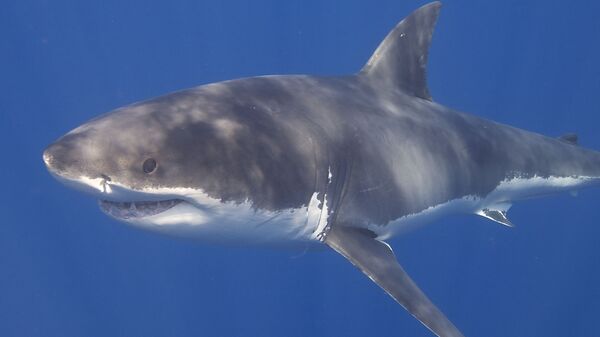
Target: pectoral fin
{"type": "Point", "coordinates": [376, 259]}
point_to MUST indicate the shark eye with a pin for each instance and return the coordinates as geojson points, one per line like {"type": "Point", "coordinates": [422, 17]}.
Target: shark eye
{"type": "Point", "coordinates": [149, 165]}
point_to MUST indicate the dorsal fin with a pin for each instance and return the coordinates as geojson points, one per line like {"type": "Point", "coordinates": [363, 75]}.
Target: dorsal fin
{"type": "Point", "coordinates": [400, 60]}
{"type": "Point", "coordinates": [570, 138]}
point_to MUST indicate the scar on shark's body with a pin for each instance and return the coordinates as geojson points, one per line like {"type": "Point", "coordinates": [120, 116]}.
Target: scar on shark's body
{"type": "Point", "coordinates": [345, 161]}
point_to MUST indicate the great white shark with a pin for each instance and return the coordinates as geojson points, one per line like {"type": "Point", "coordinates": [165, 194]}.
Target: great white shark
{"type": "Point", "coordinates": [346, 161]}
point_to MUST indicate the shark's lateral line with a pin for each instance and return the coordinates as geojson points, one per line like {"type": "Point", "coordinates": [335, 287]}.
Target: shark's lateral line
{"type": "Point", "coordinates": [347, 161]}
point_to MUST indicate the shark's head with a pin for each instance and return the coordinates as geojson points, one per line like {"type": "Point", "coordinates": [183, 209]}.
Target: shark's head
{"type": "Point", "coordinates": [187, 161]}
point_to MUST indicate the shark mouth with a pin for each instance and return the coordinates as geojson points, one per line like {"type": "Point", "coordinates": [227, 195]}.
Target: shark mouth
{"type": "Point", "coordinates": [136, 209]}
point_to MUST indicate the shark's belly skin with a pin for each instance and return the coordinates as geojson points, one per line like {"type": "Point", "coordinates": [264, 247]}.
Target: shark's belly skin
{"type": "Point", "coordinates": [206, 219]}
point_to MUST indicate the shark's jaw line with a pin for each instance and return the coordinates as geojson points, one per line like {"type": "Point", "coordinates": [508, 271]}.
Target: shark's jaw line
{"type": "Point", "coordinates": [191, 213]}
{"type": "Point", "coordinates": [136, 209]}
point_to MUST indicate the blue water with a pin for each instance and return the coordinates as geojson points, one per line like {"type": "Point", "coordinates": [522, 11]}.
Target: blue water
{"type": "Point", "coordinates": [68, 270]}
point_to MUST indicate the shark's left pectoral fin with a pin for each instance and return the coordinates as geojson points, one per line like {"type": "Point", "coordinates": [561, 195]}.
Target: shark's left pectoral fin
{"type": "Point", "coordinates": [376, 259]}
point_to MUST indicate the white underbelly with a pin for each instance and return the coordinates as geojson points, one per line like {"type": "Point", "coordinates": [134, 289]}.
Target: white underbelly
{"type": "Point", "coordinates": [210, 220]}
{"type": "Point", "coordinates": [501, 198]}
{"type": "Point", "coordinates": [238, 223]}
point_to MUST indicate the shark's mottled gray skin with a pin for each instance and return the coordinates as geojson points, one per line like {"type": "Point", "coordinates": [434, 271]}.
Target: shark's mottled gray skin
{"type": "Point", "coordinates": [372, 148]}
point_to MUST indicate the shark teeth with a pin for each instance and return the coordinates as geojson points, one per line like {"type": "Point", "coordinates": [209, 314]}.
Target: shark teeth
{"type": "Point", "coordinates": [136, 209]}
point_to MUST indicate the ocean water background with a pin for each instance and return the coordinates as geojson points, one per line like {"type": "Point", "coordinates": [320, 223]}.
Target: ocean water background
{"type": "Point", "coordinates": [68, 270]}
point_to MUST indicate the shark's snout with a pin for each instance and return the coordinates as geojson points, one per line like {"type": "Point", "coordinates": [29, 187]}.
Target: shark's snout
{"type": "Point", "coordinates": [61, 157]}
{"type": "Point", "coordinates": [49, 156]}
{"type": "Point", "coordinates": [77, 154]}
{"type": "Point", "coordinates": [65, 160]}
{"type": "Point", "coordinates": [52, 159]}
